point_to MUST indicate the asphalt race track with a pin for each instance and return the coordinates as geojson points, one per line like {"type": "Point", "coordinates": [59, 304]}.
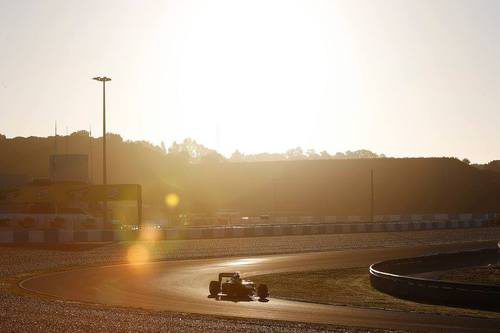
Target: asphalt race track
{"type": "Point", "coordinates": [182, 286]}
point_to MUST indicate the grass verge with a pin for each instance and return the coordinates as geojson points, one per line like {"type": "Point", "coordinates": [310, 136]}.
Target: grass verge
{"type": "Point", "coordinates": [483, 275]}
{"type": "Point", "coordinates": [349, 286]}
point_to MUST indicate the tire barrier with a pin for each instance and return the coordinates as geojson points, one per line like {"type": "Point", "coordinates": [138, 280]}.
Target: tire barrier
{"type": "Point", "coordinates": [393, 277]}
{"type": "Point", "coordinates": [65, 236]}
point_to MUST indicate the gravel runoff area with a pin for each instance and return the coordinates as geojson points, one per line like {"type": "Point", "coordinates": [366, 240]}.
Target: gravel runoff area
{"type": "Point", "coordinates": [24, 312]}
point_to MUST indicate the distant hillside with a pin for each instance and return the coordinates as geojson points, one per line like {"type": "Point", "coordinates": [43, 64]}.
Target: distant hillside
{"type": "Point", "coordinates": [128, 162]}
{"type": "Point", "coordinates": [318, 186]}
{"type": "Point", "coordinates": [492, 166]}
{"type": "Point", "coordinates": [342, 187]}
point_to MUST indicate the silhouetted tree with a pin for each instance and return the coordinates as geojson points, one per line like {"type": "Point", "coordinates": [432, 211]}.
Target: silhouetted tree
{"type": "Point", "coordinates": [295, 154]}
{"type": "Point", "coordinates": [311, 154]}
{"type": "Point", "coordinates": [237, 156]}
{"type": "Point", "coordinates": [212, 157]}
{"type": "Point", "coordinates": [194, 150]}
{"type": "Point", "coordinates": [324, 155]}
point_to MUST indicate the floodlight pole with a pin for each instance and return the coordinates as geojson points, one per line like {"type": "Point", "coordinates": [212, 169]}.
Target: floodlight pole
{"type": "Point", "coordinates": [104, 168]}
{"type": "Point", "coordinates": [372, 196]}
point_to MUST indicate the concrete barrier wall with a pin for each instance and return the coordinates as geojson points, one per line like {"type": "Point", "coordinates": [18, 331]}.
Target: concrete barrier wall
{"type": "Point", "coordinates": [72, 221]}
{"type": "Point", "coordinates": [392, 277]}
{"type": "Point", "coordinates": [65, 236]}
{"type": "Point", "coordinates": [386, 218]}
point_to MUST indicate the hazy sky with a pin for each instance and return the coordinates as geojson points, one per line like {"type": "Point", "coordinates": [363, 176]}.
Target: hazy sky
{"type": "Point", "coordinates": [404, 78]}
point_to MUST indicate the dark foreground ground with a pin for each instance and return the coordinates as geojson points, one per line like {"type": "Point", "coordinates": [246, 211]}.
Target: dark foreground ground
{"type": "Point", "coordinates": [22, 312]}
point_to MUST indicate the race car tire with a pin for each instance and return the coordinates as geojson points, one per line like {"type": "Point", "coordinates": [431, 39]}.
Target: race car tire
{"type": "Point", "coordinates": [214, 288]}
{"type": "Point", "coordinates": [262, 291]}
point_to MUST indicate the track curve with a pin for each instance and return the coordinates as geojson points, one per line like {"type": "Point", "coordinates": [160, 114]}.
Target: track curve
{"type": "Point", "coordinates": [182, 286]}
{"type": "Point", "coordinates": [397, 277]}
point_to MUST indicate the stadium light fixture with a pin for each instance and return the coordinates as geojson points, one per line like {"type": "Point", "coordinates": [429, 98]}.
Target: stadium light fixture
{"type": "Point", "coordinates": [104, 79]}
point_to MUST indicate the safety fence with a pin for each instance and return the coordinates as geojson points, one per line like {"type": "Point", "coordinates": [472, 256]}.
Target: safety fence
{"type": "Point", "coordinates": [63, 236]}
{"type": "Point", "coordinates": [393, 277]}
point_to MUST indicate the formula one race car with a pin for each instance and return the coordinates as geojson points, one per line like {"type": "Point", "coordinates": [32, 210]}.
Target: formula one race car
{"type": "Point", "coordinates": [232, 286]}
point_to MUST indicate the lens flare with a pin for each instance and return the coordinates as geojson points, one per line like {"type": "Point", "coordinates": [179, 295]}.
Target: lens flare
{"type": "Point", "coordinates": [172, 200]}
{"type": "Point", "coordinates": [137, 254]}
{"type": "Point", "coordinates": [150, 234]}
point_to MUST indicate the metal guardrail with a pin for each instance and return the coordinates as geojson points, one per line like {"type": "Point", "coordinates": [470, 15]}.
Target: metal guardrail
{"type": "Point", "coordinates": [390, 277]}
